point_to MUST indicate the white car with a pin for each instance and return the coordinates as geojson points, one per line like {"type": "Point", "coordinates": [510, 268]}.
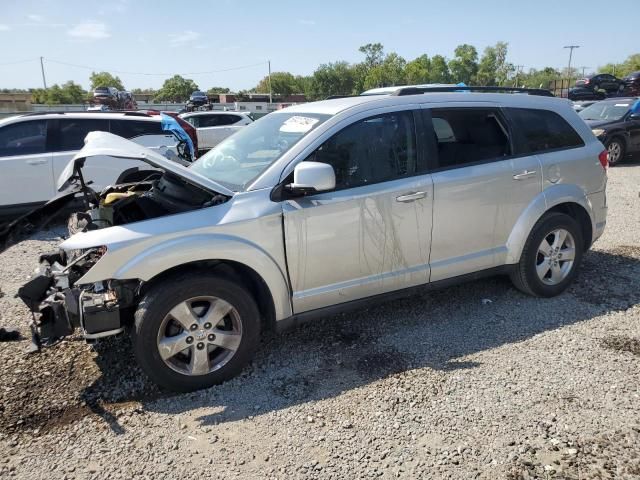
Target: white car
{"type": "Point", "coordinates": [213, 127]}
{"type": "Point", "coordinates": [35, 148]}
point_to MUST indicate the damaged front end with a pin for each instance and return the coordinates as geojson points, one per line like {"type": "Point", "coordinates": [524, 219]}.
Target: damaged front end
{"type": "Point", "coordinates": [60, 300]}
{"type": "Point", "coordinates": [59, 307]}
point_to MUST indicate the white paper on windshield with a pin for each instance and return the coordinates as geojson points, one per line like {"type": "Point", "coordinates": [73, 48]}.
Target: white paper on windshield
{"type": "Point", "coordinates": [298, 124]}
{"type": "Point", "coordinates": [622, 104]}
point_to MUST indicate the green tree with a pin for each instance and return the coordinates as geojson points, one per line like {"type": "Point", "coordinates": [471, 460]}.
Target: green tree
{"type": "Point", "coordinates": [373, 53]}
{"type": "Point", "coordinates": [217, 90]}
{"type": "Point", "coordinates": [439, 70]}
{"type": "Point", "coordinates": [537, 78]}
{"type": "Point", "coordinates": [389, 73]}
{"type": "Point", "coordinates": [66, 94]}
{"type": "Point", "coordinates": [464, 66]}
{"type": "Point", "coordinates": [418, 71]}
{"type": "Point", "coordinates": [332, 79]}
{"type": "Point", "coordinates": [176, 89]}
{"type": "Point", "coordinates": [145, 91]}
{"type": "Point", "coordinates": [631, 64]}
{"type": "Point", "coordinates": [104, 79]}
{"type": "Point", "coordinates": [282, 83]}
{"type": "Point", "coordinates": [493, 68]}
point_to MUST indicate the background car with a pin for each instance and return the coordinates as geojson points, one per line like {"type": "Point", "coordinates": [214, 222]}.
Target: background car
{"type": "Point", "coordinates": [213, 127]}
{"type": "Point", "coordinates": [616, 123]}
{"type": "Point", "coordinates": [583, 93]}
{"type": "Point", "coordinates": [35, 148]}
{"type": "Point", "coordinates": [197, 99]}
{"type": "Point", "coordinates": [632, 84]}
{"type": "Point", "coordinates": [600, 81]}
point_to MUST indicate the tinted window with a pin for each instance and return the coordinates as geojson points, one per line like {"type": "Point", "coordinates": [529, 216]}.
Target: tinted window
{"type": "Point", "coordinates": [135, 128]}
{"type": "Point", "coordinates": [71, 132]}
{"type": "Point", "coordinates": [372, 150]}
{"type": "Point", "coordinates": [23, 138]}
{"type": "Point", "coordinates": [469, 135]}
{"type": "Point", "coordinates": [217, 120]}
{"type": "Point", "coordinates": [542, 130]}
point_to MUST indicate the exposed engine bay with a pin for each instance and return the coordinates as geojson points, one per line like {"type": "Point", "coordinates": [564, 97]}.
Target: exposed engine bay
{"type": "Point", "coordinates": [104, 308]}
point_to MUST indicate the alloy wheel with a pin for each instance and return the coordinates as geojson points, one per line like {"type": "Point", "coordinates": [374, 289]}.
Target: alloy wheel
{"type": "Point", "coordinates": [615, 152]}
{"type": "Point", "coordinates": [556, 255]}
{"type": "Point", "coordinates": [199, 335]}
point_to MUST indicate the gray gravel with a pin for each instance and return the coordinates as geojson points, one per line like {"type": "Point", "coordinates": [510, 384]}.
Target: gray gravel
{"type": "Point", "coordinates": [444, 385]}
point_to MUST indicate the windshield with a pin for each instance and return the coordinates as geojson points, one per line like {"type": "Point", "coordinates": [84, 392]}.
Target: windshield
{"type": "Point", "coordinates": [605, 111]}
{"type": "Point", "coordinates": [242, 157]}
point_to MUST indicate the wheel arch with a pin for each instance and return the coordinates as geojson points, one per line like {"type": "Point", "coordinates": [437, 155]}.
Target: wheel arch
{"type": "Point", "coordinates": [236, 271]}
{"type": "Point", "coordinates": [567, 199]}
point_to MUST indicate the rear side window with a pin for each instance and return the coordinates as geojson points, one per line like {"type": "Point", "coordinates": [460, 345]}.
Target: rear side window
{"type": "Point", "coordinates": [24, 138]}
{"type": "Point", "coordinates": [217, 120]}
{"type": "Point", "coordinates": [71, 132]}
{"type": "Point", "coordinates": [135, 128]}
{"type": "Point", "coordinates": [469, 135]}
{"type": "Point", "coordinates": [373, 150]}
{"type": "Point", "coordinates": [541, 131]}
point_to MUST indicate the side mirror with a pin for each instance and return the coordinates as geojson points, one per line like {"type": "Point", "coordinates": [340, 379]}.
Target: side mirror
{"type": "Point", "coordinates": [634, 116]}
{"type": "Point", "coordinates": [312, 177]}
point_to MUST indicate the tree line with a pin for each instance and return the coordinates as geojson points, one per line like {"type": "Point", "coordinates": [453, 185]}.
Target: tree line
{"type": "Point", "coordinates": [376, 69]}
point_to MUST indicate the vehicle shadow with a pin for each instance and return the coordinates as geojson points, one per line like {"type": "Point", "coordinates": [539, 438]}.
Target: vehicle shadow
{"type": "Point", "coordinates": [435, 330]}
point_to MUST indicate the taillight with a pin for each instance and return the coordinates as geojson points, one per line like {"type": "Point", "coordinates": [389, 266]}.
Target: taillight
{"type": "Point", "coordinates": [586, 81]}
{"type": "Point", "coordinates": [604, 159]}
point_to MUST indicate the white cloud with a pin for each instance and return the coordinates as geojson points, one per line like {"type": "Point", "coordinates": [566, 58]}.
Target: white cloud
{"type": "Point", "coordinates": [90, 30]}
{"type": "Point", "coordinates": [303, 21]}
{"type": "Point", "coordinates": [35, 18]}
{"type": "Point", "coordinates": [4, 28]}
{"type": "Point", "coordinates": [184, 38]}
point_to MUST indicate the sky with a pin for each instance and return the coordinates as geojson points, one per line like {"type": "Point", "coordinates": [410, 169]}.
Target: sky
{"type": "Point", "coordinates": [227, 42]}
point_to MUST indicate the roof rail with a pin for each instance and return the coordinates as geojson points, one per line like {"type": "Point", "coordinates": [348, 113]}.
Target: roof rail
{"type": "Point", "coordinates": [334, 97]}
{"type": "Point", "coordinates": [419, 90]}
{"type": "Point", "coordinates": [133, 113]}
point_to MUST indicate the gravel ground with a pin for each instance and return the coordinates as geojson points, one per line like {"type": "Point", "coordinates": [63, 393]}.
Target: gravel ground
{"type": "Point", "coordinates": [444, 385]}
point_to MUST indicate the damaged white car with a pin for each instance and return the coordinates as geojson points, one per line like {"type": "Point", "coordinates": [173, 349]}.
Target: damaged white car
{"type": "Point", "coordinates": [315, 209]}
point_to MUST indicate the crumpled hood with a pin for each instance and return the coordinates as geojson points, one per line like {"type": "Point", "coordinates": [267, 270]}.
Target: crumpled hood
{"type": "Point", "coordinates": [104, 143]}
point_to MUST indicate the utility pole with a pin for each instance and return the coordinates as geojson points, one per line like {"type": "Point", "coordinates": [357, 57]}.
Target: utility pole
{"type": "Point", "coordinates": [571, 48]}
{"type": "Point", "coordinates": [270, 93]}
{"type": "Point", "coordinates": [44, 80]}
{"type": "Point", "coordinates": [583, 69]}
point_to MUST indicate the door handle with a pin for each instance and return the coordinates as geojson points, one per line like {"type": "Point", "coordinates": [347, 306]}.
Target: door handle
{"type": "Point", "coordinates": [37, 162]}
{"type": "Point", "coordinates": [525, 174]}
{"type": "Point", "coordinates": [411, 197]}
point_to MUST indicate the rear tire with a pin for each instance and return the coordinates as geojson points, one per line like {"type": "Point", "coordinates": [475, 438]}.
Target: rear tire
{"type": "Point", "coordinates": [195, 330]}
{"type": "Point", "coordinates": [551, 256]}
{"type": "Point", "coordinates": [616, 150]}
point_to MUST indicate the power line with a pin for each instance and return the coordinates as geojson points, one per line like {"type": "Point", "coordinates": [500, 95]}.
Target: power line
{"type": "Point", "coordinates": [122, 72]}
{"type": "Point", "coordinates": [19, 61]}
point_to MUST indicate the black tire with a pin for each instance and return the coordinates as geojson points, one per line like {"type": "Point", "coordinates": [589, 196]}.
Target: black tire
{"type": "Point", "coordinates": [157, 303]}
{"type": "Point", "coordinates": [524, 276]}
{"type": "Point", "coordinates": [623, 150]}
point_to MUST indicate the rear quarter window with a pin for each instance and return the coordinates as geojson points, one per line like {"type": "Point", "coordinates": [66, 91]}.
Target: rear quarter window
{"type": "Point", "coordinates": [537, 131]}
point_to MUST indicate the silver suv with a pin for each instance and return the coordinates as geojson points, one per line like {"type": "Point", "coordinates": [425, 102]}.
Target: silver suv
{"type": "Point", "coordinates": [319, 208]}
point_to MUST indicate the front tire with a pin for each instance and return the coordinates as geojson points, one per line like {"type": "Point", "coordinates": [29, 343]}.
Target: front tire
{"type": "Point", "coordinates": [195, 330]}
{"type": "Point", "coordinates": [551, 256]}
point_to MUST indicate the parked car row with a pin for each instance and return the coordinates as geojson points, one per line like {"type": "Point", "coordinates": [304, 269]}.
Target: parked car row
{"type": "Point", "coordinates": [603, 85]}
{"type": "Point", "coordinates": [320, 208]}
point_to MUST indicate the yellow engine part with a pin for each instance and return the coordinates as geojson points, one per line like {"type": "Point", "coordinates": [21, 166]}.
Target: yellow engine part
{"type": "Point", "coordinates": [115, 196]}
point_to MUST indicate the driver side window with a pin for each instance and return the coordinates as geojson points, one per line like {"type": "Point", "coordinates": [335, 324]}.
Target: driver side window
{"type": "Point", "coordinates": [373, 150]}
